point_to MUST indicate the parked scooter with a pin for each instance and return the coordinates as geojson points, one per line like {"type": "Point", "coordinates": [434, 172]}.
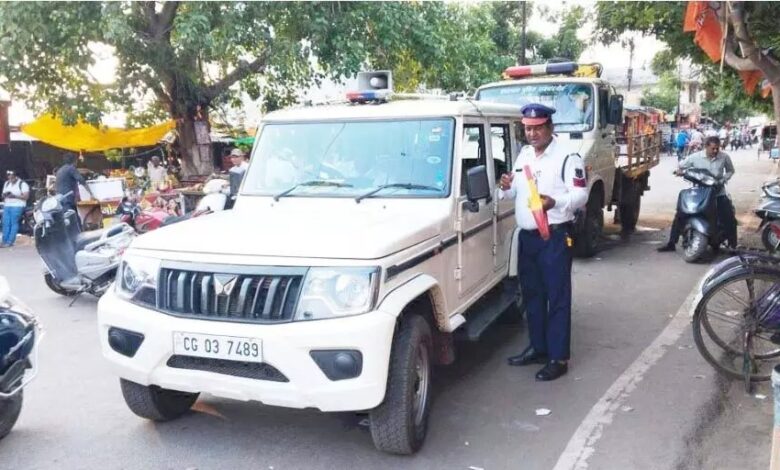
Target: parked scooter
{"type": "Point", "coordinates": [20, 333]}
{"type": "Point", "coordinates": [77, 262]}
{"type": "Point", "coordinates": [768, 211]}
{"type": "Point", "coordinates": [698, 207]}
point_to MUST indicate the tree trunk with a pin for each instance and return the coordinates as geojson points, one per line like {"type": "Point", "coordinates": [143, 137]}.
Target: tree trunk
{"type": "Point", "coordinates": [776, 105]}
{"type": "Point", "coordinates": [194, 147]}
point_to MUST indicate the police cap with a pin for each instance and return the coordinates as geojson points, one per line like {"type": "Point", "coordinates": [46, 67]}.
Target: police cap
{"type": "Point", "coordinates": [535, 114]}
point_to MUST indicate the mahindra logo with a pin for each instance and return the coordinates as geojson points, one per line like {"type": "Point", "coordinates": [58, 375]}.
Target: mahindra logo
{"type": "Point", "coordinates": [224, 284]}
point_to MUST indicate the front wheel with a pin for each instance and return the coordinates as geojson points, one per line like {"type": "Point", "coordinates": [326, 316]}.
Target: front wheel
{"type": "Point", "coordinates": [769, 237]}
{"type": "Point", "coordinates": [399, 424]}
{"type": "Point", "coordinates": [694, 245]}
{"type": "Point", "coordinates": [52, 284]}
{"type": "Point", "coordinates": [155, 403]}
{"type": "Point", "coordinates": [9, 412]}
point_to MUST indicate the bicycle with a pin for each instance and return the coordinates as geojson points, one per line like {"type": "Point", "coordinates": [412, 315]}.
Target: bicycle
{"type": "Point", "coordinates": [736, 322]}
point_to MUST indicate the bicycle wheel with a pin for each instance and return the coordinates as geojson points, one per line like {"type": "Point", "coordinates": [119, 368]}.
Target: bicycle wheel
{"type": "Point", "coordinates": [728, 329]}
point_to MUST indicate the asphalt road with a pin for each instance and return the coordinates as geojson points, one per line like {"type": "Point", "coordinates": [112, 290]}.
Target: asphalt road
{"type": "Point", "coordinates": [637, 395]}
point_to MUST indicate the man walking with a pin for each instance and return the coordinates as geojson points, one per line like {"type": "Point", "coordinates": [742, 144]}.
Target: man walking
{"type": "Point", "coordinates": [68, 179]}
{"type": "Point", "coordinates": [15, 194]}
{"type": "Point", "coordinates": [545, 265]}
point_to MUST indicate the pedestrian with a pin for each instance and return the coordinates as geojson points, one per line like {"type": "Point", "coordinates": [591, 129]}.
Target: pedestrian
{"type": "Point", "coordinates": [15, 194]}
{"type": "Point", "coordinates": [719, 164]}
{"type": "Point", "coordinates": [157, 173]}
{"type": "Point", "coordinates": [545, 265]}
{"type": "Point", "coordinates": [682, 143]}
{"type": "Point", "coordinates": [67, 180]}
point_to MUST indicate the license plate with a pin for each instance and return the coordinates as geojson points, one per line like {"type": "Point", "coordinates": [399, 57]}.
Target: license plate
{"type": "Point", "coordinates": [232, 348]}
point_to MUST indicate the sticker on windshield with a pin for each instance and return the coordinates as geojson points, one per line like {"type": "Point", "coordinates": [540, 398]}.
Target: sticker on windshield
{"type": "Point", "coordinates": [434, 138]}
{"type": "Point", "coordinates": [433, 160]}
{"type": "Point", "coordinates": [436, 130]}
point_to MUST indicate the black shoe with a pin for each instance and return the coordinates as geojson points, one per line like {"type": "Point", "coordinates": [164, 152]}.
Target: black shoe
{"type": "Point", "coordinates": [665, 248]}
{"type": "Point", "coordinates": [552, 371]}
{"type": "Point", "coordinates": [527, 357]}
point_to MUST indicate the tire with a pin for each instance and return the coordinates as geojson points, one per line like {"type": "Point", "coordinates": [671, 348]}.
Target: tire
{"type": "Point", "coordinates": [694, 245]}
{"type": "Point", "coordinates": [9, 412]}
{"type": "Point", "coordinates": [769, 238]}
{"type": "Point", "coordinates": [399, 424]}
{"type": "Point", "coordinates": [155, 403]}
{"type": "Point", "coordinates": [586, 241]}
{"type": "Point", "coordinates": [702, 325]}
{"type": "Point", "coordinates": [56, 288]}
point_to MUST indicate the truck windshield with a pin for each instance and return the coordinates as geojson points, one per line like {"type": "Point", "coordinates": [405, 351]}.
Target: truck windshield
{"type": "Point", "coordinates": [573, 102]}
{"type": "Point", "coordinates": [350, 158]}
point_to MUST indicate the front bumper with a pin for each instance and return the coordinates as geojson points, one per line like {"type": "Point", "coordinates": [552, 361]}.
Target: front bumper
{"type": "Point", "coordinates": [286, 347]}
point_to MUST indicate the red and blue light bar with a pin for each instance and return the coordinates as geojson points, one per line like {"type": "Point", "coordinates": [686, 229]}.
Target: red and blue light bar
{"type": "Point", "coordinates": [367, 96]}
{"type": "Point", "coordinates": [520, 71]}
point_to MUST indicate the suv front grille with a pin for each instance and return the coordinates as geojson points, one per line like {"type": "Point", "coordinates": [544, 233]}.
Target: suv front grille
{"type": "Point", "coordinates": [247, 370]}
{"type": "Point", "coordinates": [261, 298]}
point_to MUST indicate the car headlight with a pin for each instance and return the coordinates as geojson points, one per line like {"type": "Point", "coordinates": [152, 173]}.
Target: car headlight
{"type": "Point", "coordinates": [337, 292]}
{"type": "Point", "coordinates": [49, 204]}
{"type": "Point", "coordinates": [136, 279]}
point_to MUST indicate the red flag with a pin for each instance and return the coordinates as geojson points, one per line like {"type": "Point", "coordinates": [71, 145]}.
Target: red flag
{"type": "Point", "coordinates": [536, 206]}
{"type": "Point", "coordinates": [750, 78]}
{"type": "Point", "coordinates": [691, 13]}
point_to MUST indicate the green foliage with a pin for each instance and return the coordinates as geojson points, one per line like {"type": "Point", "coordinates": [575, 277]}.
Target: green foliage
{"type": "Point", "coordinates": [664, 94]}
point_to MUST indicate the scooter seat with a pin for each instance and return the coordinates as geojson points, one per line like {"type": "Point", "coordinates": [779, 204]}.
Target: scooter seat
{"type": "Point", "coordinates": [85, 238]}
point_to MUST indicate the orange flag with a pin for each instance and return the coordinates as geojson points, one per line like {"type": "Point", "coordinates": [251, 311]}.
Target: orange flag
{"type": "Point", "coordinates": [700, 17]}
{"type": "Point", "coordinates": [750, 78]}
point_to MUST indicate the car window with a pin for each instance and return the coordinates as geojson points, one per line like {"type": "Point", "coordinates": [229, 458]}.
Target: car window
{"type": "Point", "coordinates": [472, 151]}
{"type": "Point", "coordinates": [501, 147]}
{"type": "Point", "coordinates": [603, 107]}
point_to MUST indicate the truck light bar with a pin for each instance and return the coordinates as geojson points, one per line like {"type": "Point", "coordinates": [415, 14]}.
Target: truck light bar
{"type": "Point", "coordinates": [521, 71]}
{"type": "Point", "coordinates": [367, 96]}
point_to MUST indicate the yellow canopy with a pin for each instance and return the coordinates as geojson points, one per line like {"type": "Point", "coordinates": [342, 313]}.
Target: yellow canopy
{"type": "Point", "coordinates": [84, 136]}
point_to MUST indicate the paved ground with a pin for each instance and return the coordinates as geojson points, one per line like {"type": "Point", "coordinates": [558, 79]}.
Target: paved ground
{"type": "Point", "coordinates": [638, 394]}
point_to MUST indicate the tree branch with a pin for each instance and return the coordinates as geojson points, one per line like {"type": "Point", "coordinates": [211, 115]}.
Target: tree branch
{"type": "Point", "coordinates": [753, 55]}
{"type": "Point", "coordinates": [242, 71]}
{"type": "Point", "coordinates": [165, 19]}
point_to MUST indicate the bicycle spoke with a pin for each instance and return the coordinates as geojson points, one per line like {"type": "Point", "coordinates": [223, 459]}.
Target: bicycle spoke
{"type": "Point", "coordinates": [725, 318]}
{"type": "Point", "coordinates": [733, 296]}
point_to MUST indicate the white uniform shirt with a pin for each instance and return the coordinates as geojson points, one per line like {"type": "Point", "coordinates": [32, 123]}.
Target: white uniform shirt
{"type": "Point", "coordinates": [16, 190]}
{"type": "Point", "coordinates": [570, 192]}
{"type": "Point", "coordinates": [157, 174]}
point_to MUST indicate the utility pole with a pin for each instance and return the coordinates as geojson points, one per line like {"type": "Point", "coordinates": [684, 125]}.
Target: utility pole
{"type": "Point", "coordinates": [630, 62]}
{"type": "Point", "coordinates": [679, 90]}
{"type": "Point", "coordinates": [522, 34]}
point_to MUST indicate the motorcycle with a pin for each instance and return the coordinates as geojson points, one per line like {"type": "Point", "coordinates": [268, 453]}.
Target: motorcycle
{"type": "Point", "coordinates": [768, 211]}
{"type": "Point", "coordinates": [698, 207]}
{"type": "Point", "coordinates": [20, 333]}
{"type": "Point", "coordinates": [77, 262]}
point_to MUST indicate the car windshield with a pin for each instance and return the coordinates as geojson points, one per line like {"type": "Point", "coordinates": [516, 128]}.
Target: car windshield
{"type": "Point", "coordinates": [573, 102]}
{"type": "Point", "coordinates": [351, 158]}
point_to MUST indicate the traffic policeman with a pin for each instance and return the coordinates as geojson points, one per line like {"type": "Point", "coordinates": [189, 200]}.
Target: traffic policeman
{"type": "Point", "coordinates": [545, 265]}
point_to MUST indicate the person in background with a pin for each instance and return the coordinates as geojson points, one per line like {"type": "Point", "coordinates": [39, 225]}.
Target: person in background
{"type": "Point", "coordinates": [681, 143]}
{"type": "Point", "coordinates": [15, 194]}
{"type": "Point", "coordinates": [157, 173]}
{"type": "Point", "coordinates": [239, 159]}
{"type": "Point", "coordinates": [697, 140]}
{"type": "Point", "coordinates": [67, 180]}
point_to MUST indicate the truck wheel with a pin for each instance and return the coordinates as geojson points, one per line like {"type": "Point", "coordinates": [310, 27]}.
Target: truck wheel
{"type": "Point", "coordinates": [9, 412]}
{"type": "Point", "coordinates": [56, 288]}
{"type": "Point", "coordinates": [769, 238]}
{"type": "Point", "coordinates": [155, 403]}
{"type": "Point", "coordinates": [586, 241]}
{"type": "Point", "coordinates": [399, 424]}
{"type": "Point", "coordinates": [694, 245]}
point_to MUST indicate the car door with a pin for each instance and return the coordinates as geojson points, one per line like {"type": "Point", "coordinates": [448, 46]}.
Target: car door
{"type": "Point", "coordinates": [475, 238]}
{"type": "Point", "coordinates": [502, 152]}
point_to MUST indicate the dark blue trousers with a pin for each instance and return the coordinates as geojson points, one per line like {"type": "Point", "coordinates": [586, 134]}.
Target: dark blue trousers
{"type": "Point", "coordinates": [545, 279]}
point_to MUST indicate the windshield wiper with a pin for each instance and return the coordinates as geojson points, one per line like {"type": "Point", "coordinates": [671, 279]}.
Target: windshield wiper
{"type": "Point", "coordinates": [396, 185]}
{"type": "Point", "coordinates": [312, 183]}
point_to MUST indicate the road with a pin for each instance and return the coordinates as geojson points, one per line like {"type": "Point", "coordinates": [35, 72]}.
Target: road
{"type": "Point", "coordinates": [637, 396]}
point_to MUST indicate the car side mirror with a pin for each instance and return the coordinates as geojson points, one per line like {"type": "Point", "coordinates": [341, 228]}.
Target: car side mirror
{"type": "Point", "coordinates": [477, 187]}
{"type": "Point", "coordinates": [615, 110]}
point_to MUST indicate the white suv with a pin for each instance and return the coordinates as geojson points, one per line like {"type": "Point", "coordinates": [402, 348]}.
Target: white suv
{"type": "Point", "coordinates": [362, 238]}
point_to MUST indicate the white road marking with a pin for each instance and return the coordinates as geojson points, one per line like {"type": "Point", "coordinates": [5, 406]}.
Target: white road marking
{"type": "Point", "coordinates": [583, 442]}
